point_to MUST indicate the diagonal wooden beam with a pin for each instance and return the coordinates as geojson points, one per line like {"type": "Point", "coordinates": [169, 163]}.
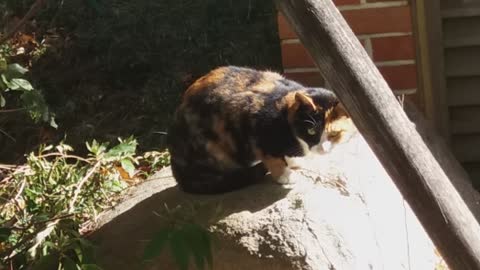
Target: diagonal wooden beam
{"type": "Point", "coordinates": [380, 118]}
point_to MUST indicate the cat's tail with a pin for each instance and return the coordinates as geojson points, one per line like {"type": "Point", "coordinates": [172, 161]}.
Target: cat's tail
{"type": "Point", "coordinates": [210, 181]}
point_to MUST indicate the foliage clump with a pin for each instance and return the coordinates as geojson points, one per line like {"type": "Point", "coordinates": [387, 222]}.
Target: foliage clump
{"type": "Point", "coordinates": [47, 204]}
{"type": "Point", "coordinates": [31, 100]}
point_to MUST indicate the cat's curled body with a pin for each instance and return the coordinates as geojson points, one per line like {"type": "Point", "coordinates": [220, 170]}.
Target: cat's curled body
{"type": "Point", "coordinates": [236, 124]}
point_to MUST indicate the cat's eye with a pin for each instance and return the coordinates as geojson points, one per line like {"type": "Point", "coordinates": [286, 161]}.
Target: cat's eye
{"type": "Point", "coordinates": [311, 131]}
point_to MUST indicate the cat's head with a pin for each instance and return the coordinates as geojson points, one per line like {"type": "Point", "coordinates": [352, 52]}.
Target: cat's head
{"type": "Point", "coordinates": [339, 128]}
{"type": "Point", "coordinates": [319, 120]}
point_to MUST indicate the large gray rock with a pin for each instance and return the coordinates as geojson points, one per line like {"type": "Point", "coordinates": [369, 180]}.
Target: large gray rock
{"type": "Point", "coordinates": [343, 213]}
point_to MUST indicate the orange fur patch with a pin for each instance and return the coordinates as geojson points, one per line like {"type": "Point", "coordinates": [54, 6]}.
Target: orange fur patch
{"type": "Point", "coordinates": [263, 86]}
{"type": "Point", "coordinates": [276, 166]}
{"type": "Point", "coordinates": [219, 153]}
{"type": "Point", "coordinates": [212, 77]}
{"type": "Point", "coordinates": [335, 113]}
{"type": "Point", "coordinates": [293, 100]}
{"type": "Point", "coordinates": [338, 124]}
{"type": "Point", "coordinates": [305, 100]}
{"type": "Point", "coordinates": [266, 83]}
{"type": "Point", "coordinates": [291, 104]}
{"type": "Point", "coordinates": [225, 140]}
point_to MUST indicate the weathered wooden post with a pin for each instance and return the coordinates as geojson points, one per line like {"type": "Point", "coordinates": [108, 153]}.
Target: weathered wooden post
{"type": "Point", "coordinates": [379, 117]}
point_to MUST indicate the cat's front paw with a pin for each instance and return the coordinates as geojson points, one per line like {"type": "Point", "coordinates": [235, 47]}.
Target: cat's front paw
{"type": "Point", "coordinates": [289, 177]}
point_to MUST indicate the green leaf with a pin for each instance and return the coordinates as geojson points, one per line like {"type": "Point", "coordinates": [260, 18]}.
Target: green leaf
{"type": "Point", "coordinates": [53, 123]}
{"type": "Point", "coordinates": [3, 65]}
{"type": "Point", "coordinates": [207, 247]}
{"type": "Point", "coordinates": [180, 249]}
{"type": "Point", "coordinates": [34, 103]}
{"type": "Point", "coordinates": [194, 237]}
{"type": "Point", "coordinates": [200, 246]}
{"type": "Point", "coordinates": [90, 146]}
{"type": "Point", "coordinates": [2, 101]}
{"type": "Point", "coordinates": [69, 264]}
{"type": "Point", "coordinates": [3, 85]}
{"type": "Point", "coordinates": [40, 238]}
{"type": "Point", "coordinates": [4, 234]}
{"type": "Point", "coordinates": [90, 267]}
{"type": "Point", "coordinates": [84, 243]}
{"type": "Point", "coordinates": [86, 254]}
{"type": "Point", "coordinates": [128, 166]}
{"type": "Point", "coordinates": [47, 262]}
{"type": "Point", "coordinates": [96, 148]}
{"type": "Point", "coordinates": [20, 84]}
{"type": "Point", "coordinates": [6, 82]}
{"type": "Point", "coordinates": [122, 149]}
{"type": "Point", "coordinates": [155, 246]}
{"type": "Point", "coordinates": [15, 70]}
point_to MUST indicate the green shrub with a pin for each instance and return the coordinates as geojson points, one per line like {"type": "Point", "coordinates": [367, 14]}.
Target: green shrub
{"type": "Point", "coordinates": [46, 204]}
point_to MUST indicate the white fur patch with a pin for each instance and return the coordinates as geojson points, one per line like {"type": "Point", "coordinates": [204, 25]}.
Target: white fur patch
{"type": "Point", "coordinates": [255, 163]}
{"type": "Point", "coordinates": [324, 146]}
{"type": "Point", "coordinates": [304, 146]}
{"type": "Point", "coordinates": [289, 177]}
{"type": "Point", "coordinates": [293, 161]}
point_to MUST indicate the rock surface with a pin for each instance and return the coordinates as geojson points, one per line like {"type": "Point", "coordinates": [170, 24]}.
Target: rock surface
{"type": "Point", "coordinates": [344, 213]}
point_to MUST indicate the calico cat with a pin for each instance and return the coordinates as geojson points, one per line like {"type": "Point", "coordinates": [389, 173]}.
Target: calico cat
{"type": "Point", "coordinates": [236, 124]}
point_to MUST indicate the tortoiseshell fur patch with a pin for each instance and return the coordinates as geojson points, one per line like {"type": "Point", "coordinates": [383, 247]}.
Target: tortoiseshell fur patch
{"type": "Point", "coordinates": [236, 124]}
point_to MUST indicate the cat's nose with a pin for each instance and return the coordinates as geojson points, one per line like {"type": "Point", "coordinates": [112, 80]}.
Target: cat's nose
{"type": "Point", "coordinates": [322, 148]}
{"type": "Point", "coordinates": [326, 146]}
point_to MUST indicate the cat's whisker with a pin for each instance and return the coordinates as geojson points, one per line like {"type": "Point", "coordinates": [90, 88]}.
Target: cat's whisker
{"type": "Point", "coordinates": [310, 122]}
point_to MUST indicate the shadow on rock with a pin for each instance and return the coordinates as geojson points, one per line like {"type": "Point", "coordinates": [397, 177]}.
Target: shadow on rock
{"type": "Point", "coordinates": [122, 232]}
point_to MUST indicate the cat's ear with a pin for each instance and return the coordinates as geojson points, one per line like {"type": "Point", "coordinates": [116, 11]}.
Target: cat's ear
{"type": "Point", "coordinates": [304, 101]}
{"type": "Point", "coordinates": [336, 111]}
{"type": "Point", "coordinates": [340, 109]}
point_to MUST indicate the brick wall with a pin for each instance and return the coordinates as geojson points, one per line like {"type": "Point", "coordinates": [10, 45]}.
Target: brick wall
{"type": "Point", "coordinates": [384, 27]}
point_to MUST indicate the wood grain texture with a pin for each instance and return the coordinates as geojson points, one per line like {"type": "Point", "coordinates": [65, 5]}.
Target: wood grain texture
{"type": "Point", "coordinates": [391, 135]}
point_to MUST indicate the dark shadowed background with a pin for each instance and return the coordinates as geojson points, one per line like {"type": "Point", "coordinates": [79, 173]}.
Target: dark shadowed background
{"type": "Point", "coordinates": [117, 68]}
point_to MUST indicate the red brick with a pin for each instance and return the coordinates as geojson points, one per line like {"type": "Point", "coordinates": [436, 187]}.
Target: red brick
{"type": "Point", "coordinates": [365, 21]}
{"type": "Point", "coordinates": [307, 78]}
{"type": "Point", "coordinates": [346, 2]}
{"type": "Point", "coordinates": [400, 77]}
{"type": "Point", "coordinates": [379, 20]}
{"type": "Point", "coordinates": [294, 55]}
{"type": "Point", "coordinates": [393, 48]}
{"type": "Point", "coordinates": [284, 29]}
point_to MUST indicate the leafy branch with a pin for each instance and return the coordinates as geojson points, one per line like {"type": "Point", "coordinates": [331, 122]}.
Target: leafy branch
{"type": "Point", "coordinates": [47, 204]}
